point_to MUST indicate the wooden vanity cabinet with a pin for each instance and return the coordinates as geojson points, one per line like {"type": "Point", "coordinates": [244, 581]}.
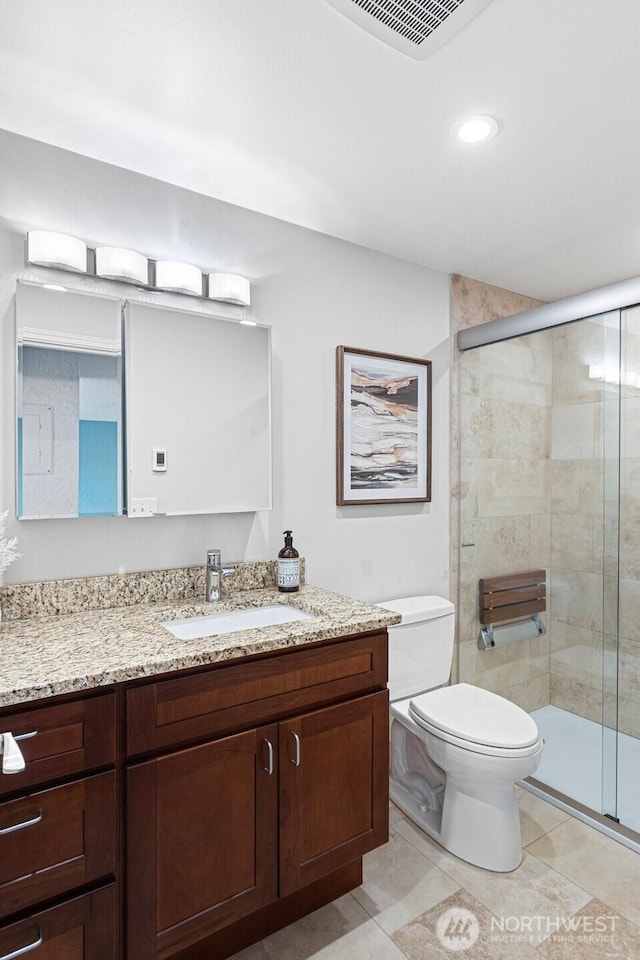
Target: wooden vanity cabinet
{"type": "Point", "coordinates": [58, 832]}
{"type": "Point", "coordinates": [241, 825]}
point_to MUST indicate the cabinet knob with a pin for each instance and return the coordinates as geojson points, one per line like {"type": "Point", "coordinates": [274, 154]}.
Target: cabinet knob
{"type": "Point", "coordinates": [296, 760]}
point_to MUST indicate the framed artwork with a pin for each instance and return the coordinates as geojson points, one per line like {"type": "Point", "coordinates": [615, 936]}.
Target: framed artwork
{"type": "Point", "coordinates": [383, 420]}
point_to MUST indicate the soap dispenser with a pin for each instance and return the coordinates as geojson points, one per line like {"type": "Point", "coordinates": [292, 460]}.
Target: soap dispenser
{"type": "Point", "coordinates": [288, 566]}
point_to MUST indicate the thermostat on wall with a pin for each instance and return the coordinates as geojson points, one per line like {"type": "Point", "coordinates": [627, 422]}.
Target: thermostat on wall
{"type": "Point", "coordinates": [159, 460]}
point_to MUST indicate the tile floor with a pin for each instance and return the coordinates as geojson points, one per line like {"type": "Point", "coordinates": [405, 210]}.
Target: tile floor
{"type": "Point", "coordinates": [575, 895]}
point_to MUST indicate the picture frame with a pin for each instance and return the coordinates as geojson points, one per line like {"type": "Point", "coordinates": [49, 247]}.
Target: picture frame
{"type": "Point", "coordinates": [383, 427]}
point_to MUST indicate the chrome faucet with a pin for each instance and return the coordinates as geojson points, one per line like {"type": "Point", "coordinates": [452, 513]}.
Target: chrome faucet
{"type": "Point", "coordinates": [216, 571]}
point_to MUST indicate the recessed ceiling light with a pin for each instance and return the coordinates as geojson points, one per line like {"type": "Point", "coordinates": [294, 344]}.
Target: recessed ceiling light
{"type": "Point", "coordinates": [478, 128]}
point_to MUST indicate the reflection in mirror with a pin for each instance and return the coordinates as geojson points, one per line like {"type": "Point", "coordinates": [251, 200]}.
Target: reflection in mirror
{"type": "Point", "coordinates": [198, 413]}
{"type": "Point", "coordinates": [69, 389]}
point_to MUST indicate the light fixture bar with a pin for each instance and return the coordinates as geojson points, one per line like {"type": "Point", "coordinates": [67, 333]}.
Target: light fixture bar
{"type": "Point", "coordinates": [63, 252]}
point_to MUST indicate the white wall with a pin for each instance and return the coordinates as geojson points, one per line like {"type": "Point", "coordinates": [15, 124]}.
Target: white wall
{"type": "Point", "coordinates": [316, 292]}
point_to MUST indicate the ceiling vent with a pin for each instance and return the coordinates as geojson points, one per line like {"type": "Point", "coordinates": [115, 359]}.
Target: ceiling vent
{"type": "Point", "coordinates": [415, 27]}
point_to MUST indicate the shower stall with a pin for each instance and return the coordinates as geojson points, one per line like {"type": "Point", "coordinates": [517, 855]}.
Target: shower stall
{"type": "Point", "coordinates": [549, 426]}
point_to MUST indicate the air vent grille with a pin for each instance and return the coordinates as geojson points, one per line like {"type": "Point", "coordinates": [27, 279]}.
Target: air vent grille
{"type": "Point", "coordinates": [415, 20]}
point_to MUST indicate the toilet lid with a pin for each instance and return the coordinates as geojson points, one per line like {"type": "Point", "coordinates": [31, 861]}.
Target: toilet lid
{"type": "Point", "coordinates": [477, 715]}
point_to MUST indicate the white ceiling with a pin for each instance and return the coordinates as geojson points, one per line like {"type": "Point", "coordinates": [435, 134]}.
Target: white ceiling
{"type": "Point", "coordinates": [286, 107]}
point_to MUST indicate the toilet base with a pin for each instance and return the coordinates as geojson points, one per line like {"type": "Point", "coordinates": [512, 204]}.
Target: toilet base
{"type": "Point", "coordinates": [483, 831]}
{"type": "Point", "coordinates": [466, 805]}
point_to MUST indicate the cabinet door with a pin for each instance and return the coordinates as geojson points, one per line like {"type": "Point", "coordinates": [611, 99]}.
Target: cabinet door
{"type": "Point", "coordinates": [334, 788]}
{"type": "Point", "coordinates": [202, 841]}
{"type": "Point", "coordinates": [79, 929]}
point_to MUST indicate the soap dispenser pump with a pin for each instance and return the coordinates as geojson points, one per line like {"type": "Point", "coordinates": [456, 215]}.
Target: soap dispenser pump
{"type": "Point", "coordinates": [288, 566]}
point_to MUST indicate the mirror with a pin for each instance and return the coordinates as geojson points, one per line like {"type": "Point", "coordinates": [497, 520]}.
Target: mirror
{"type": "Point", "coordinates": [198, 412]}
{"type": "Point", "coordinates": [69, 389]}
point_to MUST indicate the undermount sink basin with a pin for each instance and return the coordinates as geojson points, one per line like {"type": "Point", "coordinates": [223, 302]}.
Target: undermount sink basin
{"type": "Point", "coordinates": [230, 621]}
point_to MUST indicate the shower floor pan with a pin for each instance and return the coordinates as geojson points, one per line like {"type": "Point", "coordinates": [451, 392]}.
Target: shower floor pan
{"type": "Point", "coordinates": [572, 766]}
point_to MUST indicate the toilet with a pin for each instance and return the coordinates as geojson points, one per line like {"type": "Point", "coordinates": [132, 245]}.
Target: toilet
{"type": "Point", "coordinates": [456, 751]}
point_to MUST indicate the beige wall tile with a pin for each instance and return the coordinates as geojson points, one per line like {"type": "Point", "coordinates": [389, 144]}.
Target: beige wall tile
{"type": "Point", "coordinates": [577, 487]}
{"type": "Point", "coordinates": [577, 598]}
{"type": "Point", "coordinates": [576, 542]}
{"type": "Point", "coordinates": [509, 370]}
{"type": "Point", "coordinates": [573, 431]}
{"type": "Point", "coordinates": [576, 697]}
{"type": "Point", "coordinates": [501, 545]}
{"type": "Point", "coordinates": [513, 487]}
{"type": "Point", "coordinates": [629, 623]}
{"type": "Point", "coordinates": [530, 695]}
{"type": "Point", "coordinates": [575, 346]}
{"type": "Point", "coordinates": [506, 429]}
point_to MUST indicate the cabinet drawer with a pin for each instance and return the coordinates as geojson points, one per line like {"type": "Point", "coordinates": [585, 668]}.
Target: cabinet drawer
{"type": "Point", "coordinates": [80, 929]}
{"type": "Point", "coordinates": [242, 694]}
{"type": "Point", "coordinates": [61, 740]}
{"type": "Point", "coordinates": [55, 840]}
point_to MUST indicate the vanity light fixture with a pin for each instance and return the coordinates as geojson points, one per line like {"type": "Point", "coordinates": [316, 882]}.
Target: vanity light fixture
{"type": "Point", "coordinates": [58, 250]}
{"type": "Point", "coordinates": [178, 277]}
{"type": "Point", "coordinates": [62, 252]}
{"type": "Point", "coordinates": [477, 129]}
{"type": "Point", "coordinates": [117, 263]}
{"type": "Point", "coordinates": [249, 323]}
{"type": "Point", "coordinates": [230, 288]}
{"type": "Point", "coordinates": [54, 286]}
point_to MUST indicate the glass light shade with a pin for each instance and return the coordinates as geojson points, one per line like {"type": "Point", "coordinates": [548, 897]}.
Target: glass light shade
{"type": "Point", "coordinates": [56, 250]}
{"type": "Point", "coordinates": [230, 287]}
{"type": "Point", "coordinates": [178, 277]}
{"type": "Point", "coordinates": [116, 263]}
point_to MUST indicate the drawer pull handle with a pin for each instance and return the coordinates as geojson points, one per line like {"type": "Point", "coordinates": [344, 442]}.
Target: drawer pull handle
{"type": "Point", "coordinates": [296, 760]}
{"type": "Point", "coordinates": [21, 952]}
{"type": "Point", "coordinates": [21, 826]}
{"type": "Point", "coordinates": [269, 767]}
{"type": "Point", "coordinates": [25, 736]}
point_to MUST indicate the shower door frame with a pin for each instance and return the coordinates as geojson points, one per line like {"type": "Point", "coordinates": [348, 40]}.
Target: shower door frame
{"type": "Point", "coordinates": [590, 305]}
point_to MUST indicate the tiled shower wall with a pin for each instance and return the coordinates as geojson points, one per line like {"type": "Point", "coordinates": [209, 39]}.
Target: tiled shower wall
{"type": "Point", "coordinates": [502, 484]}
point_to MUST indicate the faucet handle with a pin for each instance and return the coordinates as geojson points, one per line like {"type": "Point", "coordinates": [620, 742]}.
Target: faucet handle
{"type": "Point", "coordinates": [214, 557]}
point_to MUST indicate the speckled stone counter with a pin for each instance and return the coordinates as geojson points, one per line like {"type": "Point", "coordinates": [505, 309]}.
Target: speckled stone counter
{"type": "Point", "coordinates": [47, 655]}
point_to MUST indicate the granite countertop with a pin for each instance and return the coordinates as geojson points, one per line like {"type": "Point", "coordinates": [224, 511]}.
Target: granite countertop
{"type": "Point", "coordinates": [45, 656]}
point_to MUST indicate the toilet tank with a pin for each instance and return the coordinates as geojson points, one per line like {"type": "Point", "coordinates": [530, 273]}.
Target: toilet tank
{"type": "Point", "coordinates": [421, 646]}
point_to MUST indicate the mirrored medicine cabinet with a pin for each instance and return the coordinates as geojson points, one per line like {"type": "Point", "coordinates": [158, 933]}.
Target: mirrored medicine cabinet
{"type": "Point", "coordinates": [128, 407]}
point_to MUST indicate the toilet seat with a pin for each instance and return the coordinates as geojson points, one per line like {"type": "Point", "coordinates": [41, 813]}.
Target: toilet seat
{"type": "Point", "coordinates": [477, 720]}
